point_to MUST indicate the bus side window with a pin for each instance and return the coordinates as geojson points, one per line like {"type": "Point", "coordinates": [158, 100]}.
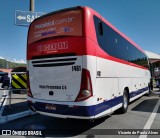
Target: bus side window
{"type": "Point", "coordinates": [100, 28]}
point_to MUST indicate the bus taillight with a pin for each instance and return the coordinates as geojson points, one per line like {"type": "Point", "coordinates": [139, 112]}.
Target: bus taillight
{"type": "Point", "coordinates": [86, 86]}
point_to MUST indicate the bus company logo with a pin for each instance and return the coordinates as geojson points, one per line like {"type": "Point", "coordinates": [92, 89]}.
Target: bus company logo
{"type": "Point", "coordinates": [52, 46]}
{"type": "Point", "coordinates": [54, 22]}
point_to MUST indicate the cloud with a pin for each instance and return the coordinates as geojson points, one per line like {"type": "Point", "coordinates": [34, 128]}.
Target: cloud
{"type": "Point", "coordinates": [1, 57]}
{"type": "Point", "coordinates": [15, 60]}
{"type": "Point", "coordinates": [19, 61]}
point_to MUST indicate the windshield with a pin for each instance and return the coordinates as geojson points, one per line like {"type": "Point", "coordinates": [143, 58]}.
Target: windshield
{"type": "Point", "coordinates": [67, 23]}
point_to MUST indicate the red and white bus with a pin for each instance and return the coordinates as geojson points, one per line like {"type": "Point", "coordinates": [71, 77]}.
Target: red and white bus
{"type": "Point", "coordinates": [81, 66]}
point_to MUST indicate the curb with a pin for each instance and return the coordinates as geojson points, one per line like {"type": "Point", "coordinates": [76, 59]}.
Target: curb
{"type": "Point", "coordinates": [3, 103]}
{"type": "Point", "coordinates": [4, 119]}
{"type": "Point", "coordinates": [156, 93]}
{"type": "Point", "coordinates": [4, 96]}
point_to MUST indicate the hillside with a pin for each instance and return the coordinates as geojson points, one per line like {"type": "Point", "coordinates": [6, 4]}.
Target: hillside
{"type": "Point", "coordinates": [7, 64]}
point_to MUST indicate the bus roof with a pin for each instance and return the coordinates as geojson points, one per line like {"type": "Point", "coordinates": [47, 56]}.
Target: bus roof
{"type": "Point", "coordinates": [114, 28]}
{"type": "Point", "coordinates": [96, 14]}
{"type": "Point", "coordinates": [58, 11]}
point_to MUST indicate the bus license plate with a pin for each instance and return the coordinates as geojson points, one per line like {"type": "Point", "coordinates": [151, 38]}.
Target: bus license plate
{"type": "Point", "coordinates": [50, 107]}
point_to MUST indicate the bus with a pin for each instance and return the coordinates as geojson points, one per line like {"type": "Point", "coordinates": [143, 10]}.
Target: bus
{"type": "Point", "coordinates": [80, 66]}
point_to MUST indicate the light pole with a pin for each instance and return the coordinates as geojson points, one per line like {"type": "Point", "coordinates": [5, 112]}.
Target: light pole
{"type": "Point", "coordinates": [31, 5]}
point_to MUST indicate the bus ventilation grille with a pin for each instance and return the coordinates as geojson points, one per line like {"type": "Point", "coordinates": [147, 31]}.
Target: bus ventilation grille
{"type": "Point", "coordinates": [54, 60]}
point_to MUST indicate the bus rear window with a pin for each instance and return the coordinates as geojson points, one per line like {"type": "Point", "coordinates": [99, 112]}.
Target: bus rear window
{"type": "Point", "coordinates": [67, 23]}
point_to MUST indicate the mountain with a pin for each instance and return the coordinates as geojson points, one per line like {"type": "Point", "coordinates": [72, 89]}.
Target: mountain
{"type": "Point", "coordinates": [11, 64]}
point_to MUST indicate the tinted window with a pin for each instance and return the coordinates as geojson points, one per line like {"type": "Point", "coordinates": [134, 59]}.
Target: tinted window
{"type": "Point", "coordinates": [117, 46]}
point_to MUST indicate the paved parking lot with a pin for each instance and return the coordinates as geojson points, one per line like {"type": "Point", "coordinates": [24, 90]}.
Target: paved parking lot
{"type": "Point", "coordinates": [143, 113]}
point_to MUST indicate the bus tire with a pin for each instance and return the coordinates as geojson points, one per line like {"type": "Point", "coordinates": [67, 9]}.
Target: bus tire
{"type": "Point", "coordinates": [149, 91]}
{"type": "Point", "coordinates": [124, 107]}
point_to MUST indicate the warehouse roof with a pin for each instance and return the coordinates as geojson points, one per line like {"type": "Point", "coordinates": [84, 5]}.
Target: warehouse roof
{"type": "Point", "coordinates": [153, 57]}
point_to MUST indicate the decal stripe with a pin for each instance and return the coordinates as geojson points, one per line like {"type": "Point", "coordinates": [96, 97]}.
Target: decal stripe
{"type": "Point", "coordinates": [83, 110]}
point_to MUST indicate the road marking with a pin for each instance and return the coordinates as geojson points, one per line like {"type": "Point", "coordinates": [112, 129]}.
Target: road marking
{"type": "Point", "coordinates": [2, 98]}
{"type": "Point", "coordinates": [4, 119]}
{"type": "Point", "coordinates": [151, 119]}
{"type": "Point", "coordinates": [3, 102]}
{"type": "Point", "coordinates": [2, 106]}
{"type": "Point", "coordinates": [156, 92]}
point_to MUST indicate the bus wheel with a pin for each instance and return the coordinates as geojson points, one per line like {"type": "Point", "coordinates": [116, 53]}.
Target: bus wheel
{"type": "Point", "coordinates": [91, 120]}
{"type": "Point", "coordinates": [149, 91]}
{"type": "Point", "coordinates": [125, 102]}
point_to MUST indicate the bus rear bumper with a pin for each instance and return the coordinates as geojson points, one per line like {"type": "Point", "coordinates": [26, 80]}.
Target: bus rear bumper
{"type": "Point", "coordinates": [62, 111]}
{"type": "Point", "coordinates": [65, 116]}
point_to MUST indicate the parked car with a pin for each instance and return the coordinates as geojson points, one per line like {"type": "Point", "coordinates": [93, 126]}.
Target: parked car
{"type": "Point", "coordinates": [2, 74]}
{"type": "Point", "coordinates": [158, 82]}
{"type": "Point", "coordinates": [6, 82]}
{"type": "Point", "coordinates": [156, 69]}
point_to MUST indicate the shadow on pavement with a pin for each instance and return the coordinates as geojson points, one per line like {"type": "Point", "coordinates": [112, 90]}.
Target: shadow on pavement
{"type": "Point", "coordinates": [146, 106]}
{"type": "Point", "coordinates": [66, 127]}
{"type": "Point", "coordinates": [15, 108]}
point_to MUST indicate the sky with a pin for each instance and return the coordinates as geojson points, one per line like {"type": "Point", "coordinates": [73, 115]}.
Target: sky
{"type": "Point", "coordinates": [138, 19]}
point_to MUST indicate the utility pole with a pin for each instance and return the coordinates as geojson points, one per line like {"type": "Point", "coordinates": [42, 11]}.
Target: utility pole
{"type": "Point", "coordinates": [31, 5]}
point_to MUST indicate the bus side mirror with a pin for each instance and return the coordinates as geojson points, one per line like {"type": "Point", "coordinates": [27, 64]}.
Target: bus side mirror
{"type": "Point", "coordinates": [100, 28]}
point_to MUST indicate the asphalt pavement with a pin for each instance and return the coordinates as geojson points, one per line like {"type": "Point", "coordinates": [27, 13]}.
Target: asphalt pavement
{"type": "Point", "coordinates": [143, 114]}
{"type": "Point", "coordinates": [13, 107]}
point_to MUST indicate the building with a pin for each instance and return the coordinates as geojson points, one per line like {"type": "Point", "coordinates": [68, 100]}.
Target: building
{"type": "Point", "coordinates": [154, 60]}
{"type": "Point", "coordinates": [5, 70]}
{"type": "Point", "coordinates": [153, 57]}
